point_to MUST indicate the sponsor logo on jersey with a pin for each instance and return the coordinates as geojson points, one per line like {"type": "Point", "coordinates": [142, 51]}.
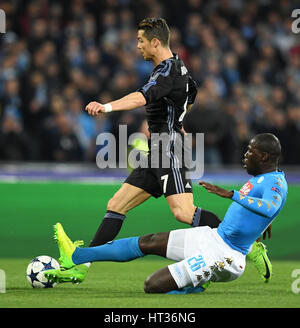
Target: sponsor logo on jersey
{"type": "Point", "coordinates": [246, 188]}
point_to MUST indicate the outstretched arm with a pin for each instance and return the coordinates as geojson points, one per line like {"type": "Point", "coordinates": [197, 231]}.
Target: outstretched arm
{"type": "Point", "coordinates": [266, 206]}
{"type": "Point", "coordinates": [216, 190]}
{"type": "Point", "coordinates": [131, 101]}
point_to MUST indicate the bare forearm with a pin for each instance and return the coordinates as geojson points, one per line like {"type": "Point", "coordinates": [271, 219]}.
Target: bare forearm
{"type": "Point", "coordinates": [128, 102]}
{"type": "Point", "coordinates": [131, 101]}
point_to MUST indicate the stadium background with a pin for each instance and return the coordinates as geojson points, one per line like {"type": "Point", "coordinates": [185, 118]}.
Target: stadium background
{"type": "Point", "coordinates": [56, 56]}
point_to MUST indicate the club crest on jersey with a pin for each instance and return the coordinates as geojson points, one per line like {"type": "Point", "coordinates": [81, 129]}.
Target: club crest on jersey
{"type": "Point", "coordinates": [260, 180]}
{"type": "Point", "coordinates": [183, 70]}
{"type": "Point", "coordinates": [246, 188]}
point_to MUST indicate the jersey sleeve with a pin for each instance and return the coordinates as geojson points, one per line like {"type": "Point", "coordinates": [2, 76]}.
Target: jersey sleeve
{"type": "Point", "coordinates": [160, 84]}
{"type": "Point", "coordinates": [192, 91]}
{"type": "Point", "coordinates": [266, 206]}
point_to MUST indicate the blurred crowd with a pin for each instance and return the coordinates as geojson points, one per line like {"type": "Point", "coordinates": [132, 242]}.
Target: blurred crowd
{"type": "Point", "coordinates": [57, 56]}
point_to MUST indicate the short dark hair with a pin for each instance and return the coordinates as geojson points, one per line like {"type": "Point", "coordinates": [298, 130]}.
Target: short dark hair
{"type": "Point", "coordinates": [269, 143]}
{"type": "Point", "coordinates": [155, 28]}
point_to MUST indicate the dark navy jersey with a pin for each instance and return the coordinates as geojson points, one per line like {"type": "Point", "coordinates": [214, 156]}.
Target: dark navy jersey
{"type": "Point", "coordinates": [168, 91]}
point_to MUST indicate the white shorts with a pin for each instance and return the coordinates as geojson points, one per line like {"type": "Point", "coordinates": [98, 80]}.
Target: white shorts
{"type": "Point", "coordinates": [202, 256]}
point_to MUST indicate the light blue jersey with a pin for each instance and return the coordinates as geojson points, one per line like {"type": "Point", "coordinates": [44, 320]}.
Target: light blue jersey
{"type": "Point", "coordinates": [255, 206]}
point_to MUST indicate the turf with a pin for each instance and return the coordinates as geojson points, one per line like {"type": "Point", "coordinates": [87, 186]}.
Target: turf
{"type": "Point", "coordinates": [28, 211]}
{"type": "Point", "coordinates": [120, 285]}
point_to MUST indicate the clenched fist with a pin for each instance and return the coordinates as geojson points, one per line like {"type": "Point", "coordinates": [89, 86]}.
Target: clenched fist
{"type": "Point", "coordinates": [94, 108]}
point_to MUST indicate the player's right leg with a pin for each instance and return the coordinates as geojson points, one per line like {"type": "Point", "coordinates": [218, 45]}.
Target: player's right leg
{"type": "Point", "coordinates": [71, 256]}
{"type": "Point", "coordinates": [122, 250]}
{"type": "Point", "coordinates": [126, 198]}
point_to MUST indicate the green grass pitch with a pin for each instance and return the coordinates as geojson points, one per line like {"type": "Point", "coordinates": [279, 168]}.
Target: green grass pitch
{"type": "Point", "coordinates": [120, 285]}
{"type": "Point", "coordinates": [28, 211]}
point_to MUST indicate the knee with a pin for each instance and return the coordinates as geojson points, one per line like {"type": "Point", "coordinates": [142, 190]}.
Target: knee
{"type": "Point", "coordinates": [150, 286]}
{"type": "Point", "coordinates": [145, 242]}
{"type": "Point", "coordinates": [152, 244]}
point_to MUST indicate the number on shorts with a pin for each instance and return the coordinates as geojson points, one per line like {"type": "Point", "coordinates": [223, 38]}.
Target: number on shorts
{"type": "Point", "coordinates": [196, 263]}
{"type": "Point", "coordinates": [165, 179]}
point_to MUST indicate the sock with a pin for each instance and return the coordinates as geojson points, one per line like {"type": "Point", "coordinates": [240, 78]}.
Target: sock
{"type": "Point", "coordinates": [196, 218]}
{"type": "Point", "coordinates": [205, 218]}
{"type": "Point", "coordinates": [209, 219]}
{"type": "Point", "coordinates": [108, 229]}
{"type": "Point", "coordinates": [121, 250]}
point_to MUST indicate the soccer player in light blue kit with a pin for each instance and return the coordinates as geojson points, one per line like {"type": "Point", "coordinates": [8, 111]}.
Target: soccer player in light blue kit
{"type": "Point", "coordinates": [203, 254]}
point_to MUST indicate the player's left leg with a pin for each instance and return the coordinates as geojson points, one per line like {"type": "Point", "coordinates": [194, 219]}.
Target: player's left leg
{"type": "Point", "coordinates": [178, 191]}
{"type": "Point", "coordinates": [184, 210]}
{"type": "Point", "coordinates": [258, 255]}
{"type": "Point", "coordinates": [182, 206]}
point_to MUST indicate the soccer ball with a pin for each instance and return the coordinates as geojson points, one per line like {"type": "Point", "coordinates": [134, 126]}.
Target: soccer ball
{"type": "Point", "coordinates": [35, 274]}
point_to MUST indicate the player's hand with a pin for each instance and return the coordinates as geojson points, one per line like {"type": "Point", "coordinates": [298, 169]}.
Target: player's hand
{"type": "Point", "coordinates": [94, 108]}
{"type": "Point", "coordinates": [267, 232]}
{"type": "Point", "coordinates": [216, 190]}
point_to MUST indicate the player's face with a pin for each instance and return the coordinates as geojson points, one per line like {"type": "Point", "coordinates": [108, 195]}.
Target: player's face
{"type": "Point", "coordinates": [145, 46]}
{"type": "Point", "coordinates": [251, 159]}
